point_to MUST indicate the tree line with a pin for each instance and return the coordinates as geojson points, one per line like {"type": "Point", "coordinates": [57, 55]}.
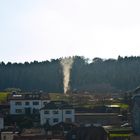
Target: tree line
{"type": "Point", "coordinates": [99, 75]}
{"type": "Point", "coordinates": [34, 76]}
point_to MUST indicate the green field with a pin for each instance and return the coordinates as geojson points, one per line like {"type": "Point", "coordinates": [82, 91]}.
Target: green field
{"type": "Point", "coordinates": [82, 100]}
{"type": "Point", "coordinates": [58, 97]}
{"type": "Point", "coordinates": [3, 96]}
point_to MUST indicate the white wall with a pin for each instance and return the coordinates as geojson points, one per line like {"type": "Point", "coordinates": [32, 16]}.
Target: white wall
{"type": "Point", "coordinates": [13, 107]}
{"type": "Point", "coordinates": [61, 116]}
{"type": "Point", "coordinates": [7, 135]}
{"type": "Point", "coordinates": [72, 115]}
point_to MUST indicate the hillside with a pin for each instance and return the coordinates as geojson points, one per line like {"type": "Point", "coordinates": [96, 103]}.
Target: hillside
{"type": "Point", "coordinates": [100, 75]}
{"type": "Point", "coordinates": [3, 97]}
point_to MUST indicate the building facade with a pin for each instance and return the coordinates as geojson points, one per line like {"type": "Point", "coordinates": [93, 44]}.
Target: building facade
{"type": "Point", "coordinates": [136, 114]}
{"type": "Point", "coordinates": [56, 112]}
{"type": "Point", "coordinates": [27, 103]}
{"type": "Point", "coordinates": [8, 135]}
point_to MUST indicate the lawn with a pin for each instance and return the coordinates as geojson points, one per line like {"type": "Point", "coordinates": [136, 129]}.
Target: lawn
{"type": "Point", "coordinates": [3, 96]}
{"type": "Point", "coordinates": [58, 96]}
{"type": "Point", "coordinates": [123, 106]}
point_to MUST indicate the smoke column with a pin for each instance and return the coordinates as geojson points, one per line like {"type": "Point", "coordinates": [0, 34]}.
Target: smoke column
{"type": "Point", "coordinates": [66, 65]}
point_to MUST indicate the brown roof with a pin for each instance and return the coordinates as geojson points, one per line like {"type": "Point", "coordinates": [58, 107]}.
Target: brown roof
{"type": "Point", "coordinates": [43, 137]}
{"type": "Point", "coordinates": [36, 134]}
{"type": "Point", "coordinates": [33, 132]}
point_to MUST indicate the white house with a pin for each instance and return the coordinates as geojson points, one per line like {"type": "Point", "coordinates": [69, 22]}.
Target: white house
{"type": "Point", "coordinates": [1, 122]}
{"type": "Point", "coordinates": [27, 103]}
{"type": "Point", "coordinates": [8, 135]}
{"type": "Point", "coordinates": [57, 111]}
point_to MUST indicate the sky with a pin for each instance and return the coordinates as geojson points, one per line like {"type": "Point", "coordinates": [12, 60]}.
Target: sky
{"type": "Point", "coordinates": [49, 29]}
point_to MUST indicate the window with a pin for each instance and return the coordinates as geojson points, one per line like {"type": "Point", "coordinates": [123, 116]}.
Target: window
{"type": "Point", "coordinates": [36, 103]}
{"type": "Point", "coordinates": [47, 121]}
{"type": "Point", "coordinates": [55, 120]}
{"type": "Point", "coordinates": [30, 96]}
{"type": "Point", "coordinates": [18, 110]}
{"type": "Point", "coordinates": [35, 111]}
{"type": "Point", "coordinates": [27, 110]}
{"type": "Point", "coordinates": [46, 112]}
{"type": "Point", "coordinates": [68, 120]}
{"type": "Point", "coordinates": [4, 137]}
{"type": "Point", "coordinates": [55, 112]}
{"type": "Point", "coordinates": [27, 103]}
{"type": "Point", "coordinates": [68, 112]}
{"type": "Point", "coordinates": [18, 103]}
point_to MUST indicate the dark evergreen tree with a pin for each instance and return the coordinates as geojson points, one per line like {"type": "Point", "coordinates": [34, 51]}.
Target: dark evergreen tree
{"type": "Point", "coordinates": [100, 75]}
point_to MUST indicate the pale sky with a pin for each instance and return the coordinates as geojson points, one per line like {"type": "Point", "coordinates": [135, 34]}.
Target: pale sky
{"type": "Point", "coordinates": [44, 29]}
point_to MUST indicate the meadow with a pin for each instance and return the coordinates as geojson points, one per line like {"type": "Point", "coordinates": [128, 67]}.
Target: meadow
{"type": "Point", "coordinates": [3, 96]}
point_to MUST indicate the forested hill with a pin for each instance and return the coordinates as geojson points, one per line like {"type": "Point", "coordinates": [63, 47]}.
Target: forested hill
{"type": "Point", "coordinates": [100, 75]}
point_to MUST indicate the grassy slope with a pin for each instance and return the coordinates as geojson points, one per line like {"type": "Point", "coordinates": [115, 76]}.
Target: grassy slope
{"type": "Point", "coordinates": [58, 96]}
{"type": "Point", "coordinates": [3, 96]}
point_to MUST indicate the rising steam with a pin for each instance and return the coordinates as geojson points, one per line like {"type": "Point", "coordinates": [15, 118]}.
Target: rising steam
{"type": "Point", "coordinates": [66, 65]}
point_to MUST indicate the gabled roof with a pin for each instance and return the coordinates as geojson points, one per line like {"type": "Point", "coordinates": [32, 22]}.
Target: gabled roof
{"type": "Point", "coordinates": [58, 105]}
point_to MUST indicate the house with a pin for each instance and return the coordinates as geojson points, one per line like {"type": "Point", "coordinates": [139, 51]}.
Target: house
{"type": "Point", "coordinates": [60, 129]}
{"type": "Point", "coordinates": [4, 108]}
{"type": "Point", "coordinates": [8, 135]}
{"type": "Point", "coordinates": [87, 133]}
{"type": "Point", "coordinates": [120, 134]}
{"type": "Point", "coordinates": [36, 134]}
{"type": "Point", "coordinates": [27, 103]}
{"type": "Point", "coordinates": [134, 137]}
{"type": "Point", "coordinates": [56, 112]}
{"type": "Point", "coordinates": [43, 137]}
{"type": "Point", "coordinates": [136, 114]}
{"type": "Point", "coordinates": [98, 118]}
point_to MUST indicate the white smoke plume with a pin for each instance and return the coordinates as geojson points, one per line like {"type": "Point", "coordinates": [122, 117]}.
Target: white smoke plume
{"type": "Point", "coordinates": [66, 65]}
